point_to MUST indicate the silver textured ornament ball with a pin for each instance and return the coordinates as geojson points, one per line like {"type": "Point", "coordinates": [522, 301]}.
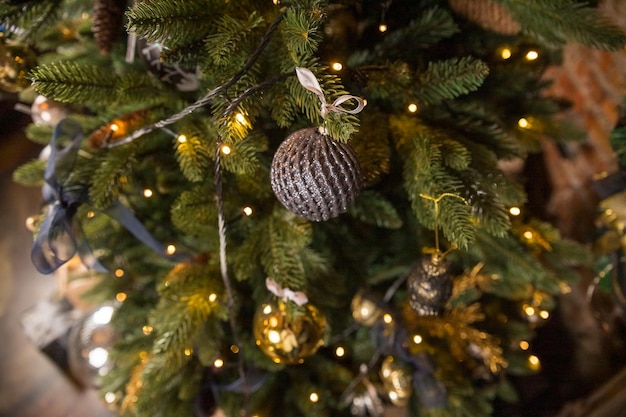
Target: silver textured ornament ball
{"type": "Point", "coordinates": [314, 176]}
{"type": "Point", "coordinates": [430, 286]}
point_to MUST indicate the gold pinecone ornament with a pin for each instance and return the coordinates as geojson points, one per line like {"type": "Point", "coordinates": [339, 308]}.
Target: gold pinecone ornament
{"type": "Point", "coordinates": [488, 14]}
{"type": "Point", "coordinates": [107, 23]}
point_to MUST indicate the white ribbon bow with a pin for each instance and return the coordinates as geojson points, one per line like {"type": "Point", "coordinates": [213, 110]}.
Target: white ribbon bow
{"type": "Point", "coordinates": [286, 294]}
{"type": "Point", "coordinates": [308, 81]}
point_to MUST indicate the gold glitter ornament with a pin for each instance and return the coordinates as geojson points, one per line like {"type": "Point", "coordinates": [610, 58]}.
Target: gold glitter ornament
{"type": "Point", "coordinates": [365, 310]}
{"type": "Point", "coordinates": [285, 337]}
{"type": "Point", "coordinates": [16, 61]}
{"type": "Point", "coordinates": [429, 285]}
{"type": "Point", "coordinates": [396, 381]}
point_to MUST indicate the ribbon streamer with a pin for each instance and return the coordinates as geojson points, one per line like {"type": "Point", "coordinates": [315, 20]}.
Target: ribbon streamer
{"type": "Point", "coordinates": [59, 239]}
{"type": "Point", "coordinates": [286, 294]}
{"type": "Point", "coordinates": [308, 81]}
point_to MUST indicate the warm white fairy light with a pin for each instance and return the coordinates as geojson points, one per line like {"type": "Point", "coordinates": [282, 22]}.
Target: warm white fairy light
{"type": "Point", "coordinates": [417, 339]}
{"type": "Point", "coordinates": [98, 357]}
{"type": "Point", "coordinates": [181, 138]}
{"type": "Point", "coordinates": [515, 211]}
{"type": "Point", "coordinates": [241, 119]}
{"type": "Point", "coordinates": [412, 107]}
{"type": "Point", "coordinates": [523, 123]}
{"type": "Point", "coordinates": [121, 296]}
{"type": "Point", "coordinates": [109, 397]}
{"type": "Point", "coordinates": [147, 329]}
{"type": "Point", "coordinates": [387, 318]}
{"type": "Point", "coordinates": [91, 214]}
{"type": "Point", "coordinates": [337, 66]}
{"type": "Point", "coordinates": [170, 249]}
{"type": "Point", "coordinates": [528, 234]}
{"type": "Point", "coordinates": [226, 150]}
{"type": "Point", "coordinates": [114, 127]}
{"type": "Point", "coordinates": [234, 349]}
{"type": "Point", "coordinates": [212, 297]}
{"type": "Point", "coordinates": [506, 53]}
{"type": "Point", "coordinates": [119, 273]}
{"type": "Point", "coordinates": [532, 55]}
{"type": "Point", "coordinates": [524, 345]}
{"type": "Point", "coordinates": [188, 351]}
{"type": "Point", "coordinates": [544, 314]}
{"type": "Point", "coordinates": [382, 27]}
{"type": "Point", "coordinates": [534, 363]}
{"type": "Point", "coordinates": [218, 363]}
{"type": "Point", "coordinates": [103, 315]}
{"type": "Point", "coordinates": [247, 211]}
{"type": "Point", "coordinates": [529, 310]}
{"type": "Point", "coordinates": [148, 193]}
{"type": "Point", "coordinates": [340, 351]}
{"type": "Point", "coordinates": [314, 397]}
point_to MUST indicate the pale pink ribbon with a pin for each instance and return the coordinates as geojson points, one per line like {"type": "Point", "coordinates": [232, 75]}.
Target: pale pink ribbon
{"type": "Point", "coordinates": [286, 294]}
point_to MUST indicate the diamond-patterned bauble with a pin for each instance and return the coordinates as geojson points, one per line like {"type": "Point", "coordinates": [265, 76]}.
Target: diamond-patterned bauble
{"type": "Point", "coordinates": [429, 286]}
{"type": "Point", "coordinates": [16, 60]}
{"type": "Point", "coordinates": [314, 176]}
{"type": "Point", "coordinates": [288, 337]}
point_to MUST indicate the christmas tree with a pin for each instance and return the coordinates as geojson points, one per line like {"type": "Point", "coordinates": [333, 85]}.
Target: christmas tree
{"type": "Point", "coordinates": [298, 208]}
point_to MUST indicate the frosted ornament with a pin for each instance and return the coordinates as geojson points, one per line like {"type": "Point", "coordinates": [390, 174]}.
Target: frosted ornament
{"type": "Point", "coordinates": [47, 112]}
{"type": "Point", "coordinates": [312, 175]}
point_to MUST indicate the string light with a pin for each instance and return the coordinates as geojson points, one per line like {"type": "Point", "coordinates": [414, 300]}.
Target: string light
{"type": "Point", "coordinates": [515, 211]}
{"type": "Point", "coordinates": [337, 66]}
{"type": "Point", "coordinates": [387, 318]}
{"type": "Point", "coordinates": [103, 315]}
{"type": "Point", "coordinates": [247, 211]}
{"type": "Point", "coordinates": [241, 119]}
{"type": "Point", "coordinates": [181, 138]}
{"type": "Point", "coordinates": [226, 149]}
{"type": "Point", "coordinates": [534, 363]}
{"type": "Point", "coordinates": [506, 53]}
{"type": "Point", "coordinates": [119, 273]}
{"type": "Point", "coordinates": [544, 314]}
{"type": "Point", "coordinates": [188, 351]}
{"type": "Point", "coordinates": [382, 27]}
{"type": "Point", "coordinates": [218, 363]}
{"type": "Point", "coordinates": [171, 249]}
{"type": "Point", "coordinates": [412, 107]}
{"type": "Point", "coordinates": [91, 214]}
{"type": "Point", "coordinates": [212, 297]}
{"type": "Point", "coordinates": [340, 351]}
{"type": "Point", "coordinates": [97, 357]}
{"type": "Point", "coordinates": [417, 339]}
{"type": "Point", "coordinates": [147, 193]}
{"type": "Point", "coordinates": [109, 397]}
{"type": "Point", "coordinates": [532, 55]}
{"type": "Point", "coordinates": [147, 329]}
{"type": "Point", "coordinates": [30, 223]}
{"type": "Point", "coordinates": [121, 296]}
{"type": "Point", "coordinates": [314, 397]}
{"type": "Point", "coordinates": [523, 123]}
{"type": "Point", "coordinates": [114, 127]}
{"type": "Point", "coordinates": [529, 310]}
{"type": "Point", "coordinates": [524, 345]}
{"type": "Point", "coordinates": [276, 2]}
{"type": "Point", "coordinates": [528, 234]}
{"type": "Point", "coordinates": [234, 349]}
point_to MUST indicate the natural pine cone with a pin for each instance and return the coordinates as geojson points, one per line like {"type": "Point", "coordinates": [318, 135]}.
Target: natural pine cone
{"type": "Point", "coordinates": [487, 14]}
{"type": "Point", "coordinates": [314, 176]}
{"type": "Point", "coordinates": [107, 23]}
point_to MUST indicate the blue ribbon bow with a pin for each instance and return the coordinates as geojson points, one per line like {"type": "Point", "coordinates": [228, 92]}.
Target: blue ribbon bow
{"type": "Point", "coordinates": [59, 239]}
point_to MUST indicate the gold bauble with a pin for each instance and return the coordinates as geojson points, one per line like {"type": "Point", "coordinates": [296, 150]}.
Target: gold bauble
{"type": "Point", "coordinates": [288, 337]}
{"type": "Point", "coordinates": [15, 62]}
{"type": "Point", "coordinates": [396, 381]}
{"type": "Point", "coordinates": [365, 310]}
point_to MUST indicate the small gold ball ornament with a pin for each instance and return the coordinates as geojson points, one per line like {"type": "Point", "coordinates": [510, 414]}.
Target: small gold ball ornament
{"type": "Point", "coordinates": [365, 310]}
{"type": "Point", "coordinates": [288, 337]}
{"type": "Point", "coordinates": [396, 381]}
{"type": "Point", "coordinates": [16, 61]}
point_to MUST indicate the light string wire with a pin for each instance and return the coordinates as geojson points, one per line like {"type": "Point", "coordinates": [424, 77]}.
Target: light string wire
{"type": "Point", "coordinates": [209, 96]}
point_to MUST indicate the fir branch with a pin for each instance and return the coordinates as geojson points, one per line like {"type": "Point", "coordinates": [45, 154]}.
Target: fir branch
{"type": "Point", "coordinates": [69, 82]}
{"type": "Point", "coordinates": [172, 22]}
{"type": "Point", "coordinates": [556, 22]}
{"type": "Point", "coordinates": [452, 78]}
{"type": "Point", "coordinates": [30, 18]}
{"type": "Point", "coordinates": [113, 171]}
{"type": "Point", "coordinates": [30, 174]}
{"type": "Point", "coordinates": [231, 32]}
{"type": "Point", "coordinates": [372, 208]}
{"type": "Point", "coordinates": [194, 158]}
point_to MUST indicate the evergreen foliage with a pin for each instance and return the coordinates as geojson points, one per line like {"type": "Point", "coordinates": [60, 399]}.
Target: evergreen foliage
{"type": "Point", "coordinates": [443, 110]}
